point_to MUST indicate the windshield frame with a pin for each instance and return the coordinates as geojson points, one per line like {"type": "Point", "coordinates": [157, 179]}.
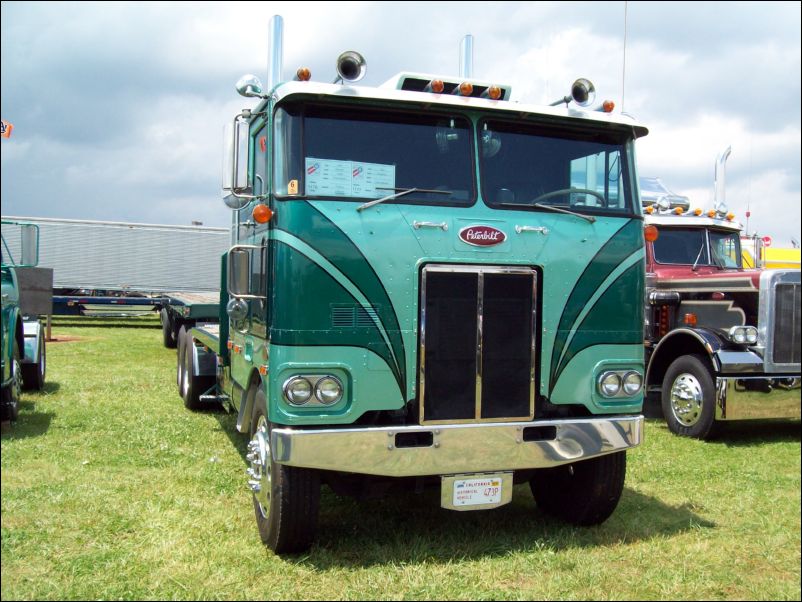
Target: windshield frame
{"type": "Point", "coordinates": [707, 259]}
{"type": "Point", "coordinates": [392, 114]}
{"type": "Point", "coordinates": [567, 130]}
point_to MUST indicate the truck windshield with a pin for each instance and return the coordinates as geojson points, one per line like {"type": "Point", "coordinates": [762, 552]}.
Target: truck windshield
{"type": "Point", "coordinates": [335, 152]}
{"type": "Point", "coordinates": [689, 246]}
{"type": "Point", "coordinates": [527, 164]}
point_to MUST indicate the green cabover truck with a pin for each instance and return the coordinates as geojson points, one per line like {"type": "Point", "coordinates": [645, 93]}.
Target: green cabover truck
{"type": "Point", "coordinates": [430, 285]}
{"type": "Point", "coordinates": [22, 341]}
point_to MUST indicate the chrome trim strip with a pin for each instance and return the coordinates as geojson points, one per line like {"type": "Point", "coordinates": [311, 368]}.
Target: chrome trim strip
{"type": "Point", "coordinates": [480, 308]}
{"type": "Point", "coordinates": [781, 398]}
{"type": "Point", "coordinates": [455, 449]}
{"type": "Point", "coordinates": [422, 349]}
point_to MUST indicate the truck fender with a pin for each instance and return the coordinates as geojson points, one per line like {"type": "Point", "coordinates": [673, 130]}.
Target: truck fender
{"type": "Point", "coordinates": [246, 403]}
{"type": "Point", "coordinates": [15, 326]}
{"type": "Point", "coordinates": [204, 360]}
{"type": "Point", "coordinates": [678, 342]}
{"type": "Point", "coordinates": [32, 332]}
{"type": "Point", "coordinates": [19, 332]}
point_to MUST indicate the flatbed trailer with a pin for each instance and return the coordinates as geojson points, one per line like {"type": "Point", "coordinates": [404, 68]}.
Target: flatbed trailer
{"type": "Point", "coordinates": [123, 269]}
{"type": "Point", "coordinates": [185, 309]}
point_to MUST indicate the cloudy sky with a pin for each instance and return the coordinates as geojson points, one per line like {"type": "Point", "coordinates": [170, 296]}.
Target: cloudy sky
{"type": "Point", "coordinates": [118, 108]}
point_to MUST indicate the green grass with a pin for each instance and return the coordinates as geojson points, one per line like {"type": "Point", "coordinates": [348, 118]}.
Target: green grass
{"type": "Point", "coordinates": [111, 489]}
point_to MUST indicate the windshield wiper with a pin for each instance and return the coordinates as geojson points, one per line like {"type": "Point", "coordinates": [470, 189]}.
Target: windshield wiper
{"type": "Point", "coordinates": [699, 256]}
{"type": "Point", "coordinates": [589, 218]}
{"type": "Point", "coordinates": [399, 192]}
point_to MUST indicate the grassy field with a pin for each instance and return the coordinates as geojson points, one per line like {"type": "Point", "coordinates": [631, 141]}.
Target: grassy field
{"type": "Point", "coordinates": [111, 489]}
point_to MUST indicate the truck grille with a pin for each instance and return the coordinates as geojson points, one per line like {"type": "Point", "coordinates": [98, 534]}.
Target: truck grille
{"type": "Point", "coordinates": [477, 343]}
{"type": "Point", "coordinates": [779, 320]}
{"type": "Point", "coordinates": [787, 324]}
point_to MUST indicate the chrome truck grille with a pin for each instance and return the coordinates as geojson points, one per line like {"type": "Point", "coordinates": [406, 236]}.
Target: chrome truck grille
{"type": "Point", "coordinates": [779, 319]}
{"type": "Point", "coordinates": [477, 344]}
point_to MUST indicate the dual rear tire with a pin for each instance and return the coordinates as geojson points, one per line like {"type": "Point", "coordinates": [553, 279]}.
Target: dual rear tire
{"type": "Point", "coordinates": [190, 385]}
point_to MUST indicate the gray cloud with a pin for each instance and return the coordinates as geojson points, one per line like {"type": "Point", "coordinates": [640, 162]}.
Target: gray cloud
{"type": "Point", "coordinates": [118, 108]}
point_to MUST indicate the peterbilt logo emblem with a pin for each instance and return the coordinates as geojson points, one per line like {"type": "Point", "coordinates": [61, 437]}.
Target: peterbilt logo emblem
{"type": "Point", "coordinates": [482, 236]}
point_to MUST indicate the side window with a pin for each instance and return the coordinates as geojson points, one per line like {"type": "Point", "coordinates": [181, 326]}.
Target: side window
{"type": "Point", "coordinates": [600, 172]}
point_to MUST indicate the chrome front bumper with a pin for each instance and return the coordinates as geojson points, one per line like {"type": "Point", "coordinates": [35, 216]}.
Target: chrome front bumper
{"type": "Point", "coordinates": [758, 398]}
{"type": "Point", "coordinates": [452, 449]}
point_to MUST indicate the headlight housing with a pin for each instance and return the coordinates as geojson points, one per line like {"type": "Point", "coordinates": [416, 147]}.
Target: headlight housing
{"type": "Point", "coordinates": [743, 335]}
{"type": "Point", "coordinates": [310, 390]}
{"type": "Point", "coordinates": [619, 383]}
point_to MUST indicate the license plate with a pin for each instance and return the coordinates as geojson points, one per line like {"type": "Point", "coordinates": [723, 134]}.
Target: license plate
{"type": "Point", "coordinates": [476, 492]}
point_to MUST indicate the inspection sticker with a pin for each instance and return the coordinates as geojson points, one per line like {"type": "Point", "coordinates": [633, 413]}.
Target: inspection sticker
{"type": "Point", "coordinates": [472, 492]}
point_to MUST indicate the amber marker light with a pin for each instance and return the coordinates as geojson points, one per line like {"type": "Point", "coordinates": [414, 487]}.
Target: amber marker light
{"type": "Point", "coordinates": [650, 233]}
{"type": "Point", "coordinates": [262, 214]}
{"type": "Point", "coordinates": [262, 369]}
{"type": "Point", "coordinates": [437, 86]}
{"type": "Point", "coordinates": [608, 106]}
{"type": "Point", "coordinates": [494, 92]}
{"type": "Point", "coordinates": [730, 216]}
{"type": "Point", "coordinates": [303, 74]}
{"type": "Point", "coordinates": [697, 211]}
{"type": "Point", "coordinates": [711, 213]}
{"type": "Point", "coordinates": [466, 89]}
{"type": "Point", "coordinates": [649, 209]}
{"type": "Point", "coordinates": [690, 320]}
{"type": "Point", "coordinates": [678, 210]}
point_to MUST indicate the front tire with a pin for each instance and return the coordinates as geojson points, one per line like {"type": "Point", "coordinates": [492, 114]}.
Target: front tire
{"type": "Point", "coordinates": [688, 398]}
{"type": "Point", "coordinates": [9, 400]}
{"type": "Point", "coordinates": [286, 499]}
{"type": "Point", "coordinates": [582, 493]}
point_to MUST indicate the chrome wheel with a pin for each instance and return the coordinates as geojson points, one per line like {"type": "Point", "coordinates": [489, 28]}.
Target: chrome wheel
{"type": "Point", "coordinates": [687, 399]}
{"type": "Point", "coordinates": [260, 478]}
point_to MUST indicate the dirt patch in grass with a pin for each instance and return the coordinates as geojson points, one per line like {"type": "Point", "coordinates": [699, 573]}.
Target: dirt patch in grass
{"type": "Point", "coordinates": [66, 339]}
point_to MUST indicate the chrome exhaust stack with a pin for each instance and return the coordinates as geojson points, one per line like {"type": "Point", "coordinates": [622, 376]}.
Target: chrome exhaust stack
{"type": "Point", "coordinates": [719, 203]}
{"type": "Point", "coordinates": [466, 57]}
{"type": "Point", "coordinates": [275, 49]}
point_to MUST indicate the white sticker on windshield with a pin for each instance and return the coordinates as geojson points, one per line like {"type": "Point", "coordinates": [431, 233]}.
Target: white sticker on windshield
{"type": "Point", "coordinates": [327, 177]}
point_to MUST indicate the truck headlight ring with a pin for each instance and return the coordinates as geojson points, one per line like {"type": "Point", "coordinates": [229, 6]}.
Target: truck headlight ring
{"type": "Point", "coordinates": [328, 390]}
{"type": "Point", "coordinates": [633, 382]}
{"type": "Point", "coordinates": [297, 390]}
{"type": "Point", "coordinates": [610, 384]}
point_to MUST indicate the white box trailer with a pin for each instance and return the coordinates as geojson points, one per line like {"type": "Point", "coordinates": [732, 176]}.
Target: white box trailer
{"type": "Point", "coordinates": [129, 257]}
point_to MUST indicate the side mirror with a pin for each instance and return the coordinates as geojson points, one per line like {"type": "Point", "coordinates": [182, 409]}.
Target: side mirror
{"type": "Point", "coordinates": [239, 270]}
{"type": "Point", "coordinates": [237, 310]}
{"type": "Point", "coordinates": [235, 164]}
{"type": "Point", "coordinates": [29, 239]}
